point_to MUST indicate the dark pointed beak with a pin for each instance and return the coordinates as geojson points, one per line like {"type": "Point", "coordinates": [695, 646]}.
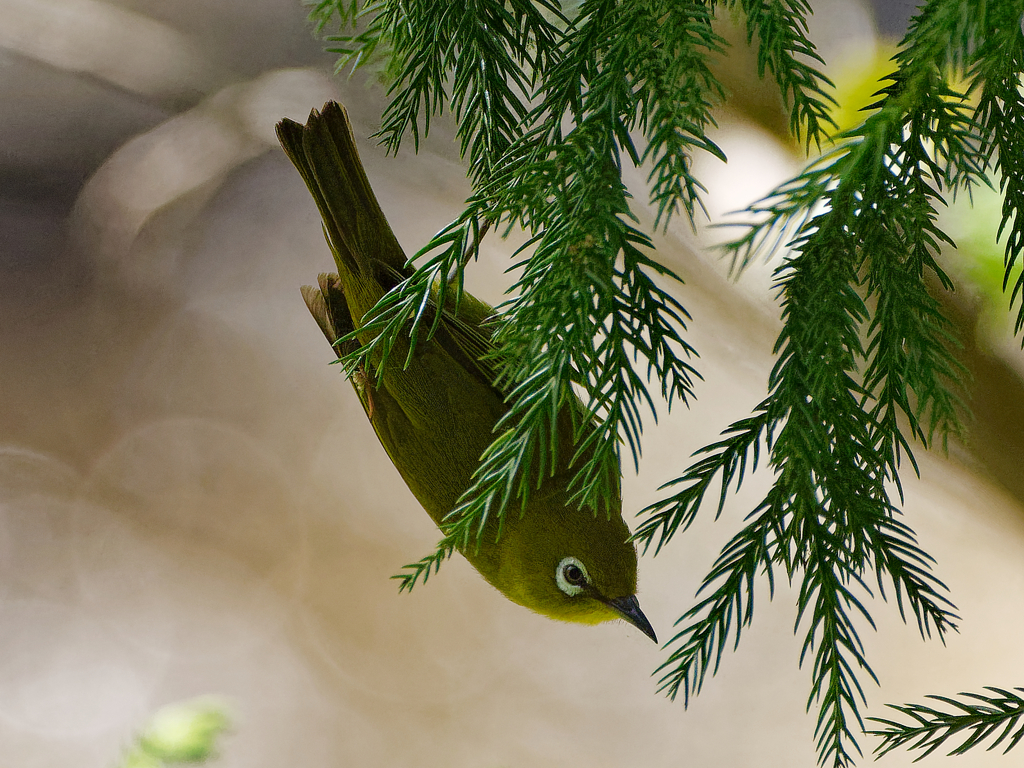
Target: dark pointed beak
{"type": "Point", "coordinates": [629, 609]}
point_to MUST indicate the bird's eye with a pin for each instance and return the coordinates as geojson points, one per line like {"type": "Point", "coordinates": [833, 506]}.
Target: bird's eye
{"type": "Point", "coordinates": [571, 576]}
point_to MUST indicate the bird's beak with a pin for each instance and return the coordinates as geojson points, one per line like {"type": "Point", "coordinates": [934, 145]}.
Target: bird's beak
{"type": "Point", "coordinates": [629, 608]}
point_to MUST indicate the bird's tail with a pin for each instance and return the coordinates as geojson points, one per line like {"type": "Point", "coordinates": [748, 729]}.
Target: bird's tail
{"type": "Point", "coordinates": [324, 152]}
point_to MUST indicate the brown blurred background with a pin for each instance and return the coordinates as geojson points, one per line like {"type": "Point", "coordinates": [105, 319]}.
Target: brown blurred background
{"type": "Point", "coordinates": [192, 502]}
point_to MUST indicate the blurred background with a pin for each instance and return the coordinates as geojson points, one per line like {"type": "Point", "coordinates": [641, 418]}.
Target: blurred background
{"type": "Point", "coordinates": [192, 501]}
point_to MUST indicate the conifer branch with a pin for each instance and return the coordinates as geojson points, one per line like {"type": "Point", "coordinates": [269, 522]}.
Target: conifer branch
{"type": "Point", "coordinates": [864, 223]}
{"type": "Point", "coordinates": [785, 51]}
{"type": "Point", "coordinates": [421, 571]}
{"type": "Point", "coordinates": [663, 519]}
{"type": "Point", "coordinates": [979, 718]}
{"type": "Point", "coordinates": [677, 94]}
{"type": "Point", "coordinates": [721, 615]}
{"type": "Point", "coordinates": [995, 73]}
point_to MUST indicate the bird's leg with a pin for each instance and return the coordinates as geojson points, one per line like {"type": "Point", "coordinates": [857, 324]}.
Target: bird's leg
{"type": "Point", "coordinates": [362, 380]}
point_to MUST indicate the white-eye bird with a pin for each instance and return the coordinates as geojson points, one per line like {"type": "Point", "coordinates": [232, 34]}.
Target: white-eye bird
{"type": "Point", "coordinates": [436, 415]}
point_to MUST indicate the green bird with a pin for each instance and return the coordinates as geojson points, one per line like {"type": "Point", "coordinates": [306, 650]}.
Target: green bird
{"type": "Point", "coordinates": [436, 415]}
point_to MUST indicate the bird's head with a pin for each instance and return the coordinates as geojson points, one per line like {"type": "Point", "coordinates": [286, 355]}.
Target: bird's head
{"type": "Point", "coordinates": [571, 565]}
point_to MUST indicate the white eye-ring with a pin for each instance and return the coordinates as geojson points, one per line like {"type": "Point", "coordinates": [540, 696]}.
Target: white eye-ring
{"type": "Point", "coordinates": [571, 576]}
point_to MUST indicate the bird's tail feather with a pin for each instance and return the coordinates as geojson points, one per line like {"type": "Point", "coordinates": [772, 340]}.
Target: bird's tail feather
{"type": "Point", "coordinates": [325, 154]}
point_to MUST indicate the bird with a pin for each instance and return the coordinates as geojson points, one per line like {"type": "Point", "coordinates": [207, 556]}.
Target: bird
{"type": "Point", "coordinates": [434, 412]}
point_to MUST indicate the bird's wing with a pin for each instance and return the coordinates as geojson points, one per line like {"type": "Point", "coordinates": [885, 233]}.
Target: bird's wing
{"type": "Point", "coordinates": [327, 305]}
{"type": "Point", "coordinates": [463, 333]}
{"type": "Point", "coordinates": [475, 344]}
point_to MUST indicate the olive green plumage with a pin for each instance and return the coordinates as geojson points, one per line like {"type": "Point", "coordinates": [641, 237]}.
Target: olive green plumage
{"type": "Point", "coordinates": [436, 415]}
